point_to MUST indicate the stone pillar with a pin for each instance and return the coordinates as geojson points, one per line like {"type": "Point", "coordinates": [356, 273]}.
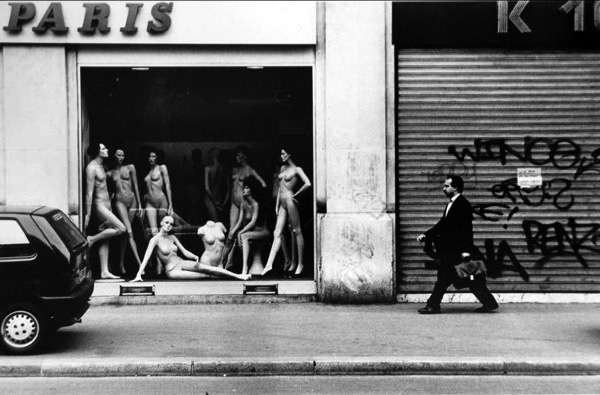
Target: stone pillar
{"type": "Point", "coordinates": [356, 233]}
{"type": "Point", "coordinates": [35, 131]}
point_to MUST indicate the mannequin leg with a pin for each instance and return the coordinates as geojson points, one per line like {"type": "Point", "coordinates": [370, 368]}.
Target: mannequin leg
{"type": "Point", "coordinates": [297, 235]}
{"type": "Point", "coordinates": [281, 221]}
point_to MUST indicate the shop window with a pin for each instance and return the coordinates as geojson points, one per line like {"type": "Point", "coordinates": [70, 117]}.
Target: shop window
{"type": "Point", "coordinates": [188, 116]}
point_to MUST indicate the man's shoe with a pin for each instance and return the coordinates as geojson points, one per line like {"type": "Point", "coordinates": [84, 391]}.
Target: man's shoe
{"type": "Point", "coordinates": [429, 310]}
{"type": "Point", "coordinates": [486, 309]}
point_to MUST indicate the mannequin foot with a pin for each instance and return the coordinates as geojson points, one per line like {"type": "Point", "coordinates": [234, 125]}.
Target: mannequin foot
{"type": "Point", "coordinates": [299, 270]}
{"type": "Point", "coordinates": [266, 270]}
{"type": "Point", "coordinates": [109, 275]}
{"type": "Point", "coordinates": [245, 276]}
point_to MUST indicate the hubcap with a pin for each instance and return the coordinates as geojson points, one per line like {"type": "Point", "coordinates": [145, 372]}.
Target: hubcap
{"type": "Point", "coordinates": [20, 329]}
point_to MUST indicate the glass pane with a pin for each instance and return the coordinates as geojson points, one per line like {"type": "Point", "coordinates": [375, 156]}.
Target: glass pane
{"type": "Point", "coordinates": [11, 233]}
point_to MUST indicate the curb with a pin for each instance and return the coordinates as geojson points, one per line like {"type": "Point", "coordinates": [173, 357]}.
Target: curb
{"type": "Point", "coordinates": [200, 299]}
{"type": "Point", "coordinates": [299, 366]}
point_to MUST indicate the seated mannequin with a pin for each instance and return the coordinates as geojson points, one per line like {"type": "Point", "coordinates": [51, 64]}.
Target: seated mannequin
{"type": "Point", "coordinates": [249, 228]}
{"type": "Point", "coordinates": [167, 248]}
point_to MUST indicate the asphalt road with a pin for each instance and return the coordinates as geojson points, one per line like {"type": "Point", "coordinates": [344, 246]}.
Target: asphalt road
{"type": "Point", "coordinates": [306, 385]}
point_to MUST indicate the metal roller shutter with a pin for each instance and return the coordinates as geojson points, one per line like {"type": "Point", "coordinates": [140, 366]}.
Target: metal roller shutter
{"type": "Point", "coordinates": [483, 115]}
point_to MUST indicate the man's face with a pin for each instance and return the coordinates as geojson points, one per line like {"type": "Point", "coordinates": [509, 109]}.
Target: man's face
{"type": "Point", "coordinates": [448, 189]}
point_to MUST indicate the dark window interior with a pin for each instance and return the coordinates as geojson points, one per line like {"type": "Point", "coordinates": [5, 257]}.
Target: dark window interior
{"type": "Point", "coordinates": [178, 109]}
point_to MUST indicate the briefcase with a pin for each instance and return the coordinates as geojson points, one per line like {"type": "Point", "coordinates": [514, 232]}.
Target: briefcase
{"type": "Point", "coordinates": [468, 273]}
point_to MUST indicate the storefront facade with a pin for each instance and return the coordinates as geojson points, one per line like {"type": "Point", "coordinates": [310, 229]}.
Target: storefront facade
{"type": "Point", "coordinates": [507, 95]}
{"type": "Point", "coordinates": [185, 76]}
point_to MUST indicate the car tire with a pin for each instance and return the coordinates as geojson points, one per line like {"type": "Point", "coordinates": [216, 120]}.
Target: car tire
{"type": "Point", "coordinates": [23, 327]}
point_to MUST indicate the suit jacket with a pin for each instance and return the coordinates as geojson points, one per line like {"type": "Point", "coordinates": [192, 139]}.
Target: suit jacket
{"type": "Point", "coordinates": [453, 234]}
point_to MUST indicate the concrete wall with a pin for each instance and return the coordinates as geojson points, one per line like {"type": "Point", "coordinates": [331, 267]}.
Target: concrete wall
{"type": "Point", "coordinates": [35, 133]}
{"type": "Point", "coordinates": [356, 232]}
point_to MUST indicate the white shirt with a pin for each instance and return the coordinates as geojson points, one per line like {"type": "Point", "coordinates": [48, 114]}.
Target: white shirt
{"type": "Point", "coordinates": [452, 199]}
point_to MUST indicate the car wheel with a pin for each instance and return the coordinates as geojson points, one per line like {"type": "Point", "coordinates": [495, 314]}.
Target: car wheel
{"type": "Point", "coordinates": [23, 327]}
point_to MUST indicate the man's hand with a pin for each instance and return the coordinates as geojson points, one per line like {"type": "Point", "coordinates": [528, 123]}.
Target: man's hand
{"type": "Point", "coordinates": [421, 238]}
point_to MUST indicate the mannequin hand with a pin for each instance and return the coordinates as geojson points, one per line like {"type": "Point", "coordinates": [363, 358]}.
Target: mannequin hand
{"type": "Point", "coordinates": [170, 210]}
{"type": "Point", "coordinates": [421, 238]}
{"type": "Point", "coordinates": [465, 256]}
{"type": "Point", "coordinates": [139, 212]}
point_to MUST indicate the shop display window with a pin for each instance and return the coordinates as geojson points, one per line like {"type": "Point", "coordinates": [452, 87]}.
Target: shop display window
{"type": "Point", "coordinates": [191, 118]}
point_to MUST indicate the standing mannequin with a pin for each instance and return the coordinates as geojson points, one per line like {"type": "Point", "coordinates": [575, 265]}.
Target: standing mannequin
{"type": "Point", "coordinates": [216, 192]}
{"type": "Point", "coordinates": [97, 205]}
{"type": "Point", "coordinates": [158, 203]}
{"type": "Point", "coordinates": [192, 180]}
{"type": "Point", "coordinates": [286, 208]}
{"type": "Point", "coordinates": [126, 201]}
{"type": "Point", "coordinates": [240, 173]}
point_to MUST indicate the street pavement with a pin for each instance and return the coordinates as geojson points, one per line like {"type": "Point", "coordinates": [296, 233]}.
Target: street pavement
{"type": "Point", "coordinates": [316, 338]}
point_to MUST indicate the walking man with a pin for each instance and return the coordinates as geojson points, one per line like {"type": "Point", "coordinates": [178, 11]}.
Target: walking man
{"type": "Point", "coordinates": [453, 236]}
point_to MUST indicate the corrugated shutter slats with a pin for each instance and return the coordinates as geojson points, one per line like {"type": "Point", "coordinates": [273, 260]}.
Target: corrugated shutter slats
{"type": "Point", "coordinates": [483, 115]}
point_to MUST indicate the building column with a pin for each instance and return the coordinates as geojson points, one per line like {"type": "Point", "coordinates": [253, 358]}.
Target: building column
{"type": "Point", "coordinates": [356, 232]}
{"type": "Point", "coordinates": [35, 132]}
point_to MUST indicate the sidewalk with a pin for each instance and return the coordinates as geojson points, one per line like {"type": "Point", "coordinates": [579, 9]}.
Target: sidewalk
{"type": "Point", "coordinates": [315, 338]}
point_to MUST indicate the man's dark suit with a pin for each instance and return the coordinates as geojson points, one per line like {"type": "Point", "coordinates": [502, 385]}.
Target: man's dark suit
{"type": "Point", "coordinates": [453, 235]}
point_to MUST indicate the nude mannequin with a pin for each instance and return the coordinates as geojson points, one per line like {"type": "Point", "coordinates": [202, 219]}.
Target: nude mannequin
{"type": "Point", "coordinates": [97, 204]}
{"type": "Point", "coordinates": [216, 192]}
{"type": "Point", "coordinates": [247, 228]}
{"type": "Point", "coordinates": [239, 174]}
{"type": "Point", "coordinates": [126, 201]}
{"type": "Point", "coordinates": [167, 249]}
{"type": "Point", "coordinates": [286, 207]}
{"type": "Point", "coordinates": [158, 196]}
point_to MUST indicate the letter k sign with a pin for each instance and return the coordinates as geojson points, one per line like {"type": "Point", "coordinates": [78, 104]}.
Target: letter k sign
{"type": "Point", "coordinates": [515, 16]}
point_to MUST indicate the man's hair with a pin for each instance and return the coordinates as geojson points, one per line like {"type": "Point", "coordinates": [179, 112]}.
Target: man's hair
{"type": "Point", "coordinates": [457, 182]}
{"type": "Point", "coordinates": [93, 149]}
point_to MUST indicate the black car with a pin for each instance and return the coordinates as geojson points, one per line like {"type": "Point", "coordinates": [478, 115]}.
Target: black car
{"type": "Point", "coordinates": [45, 278]}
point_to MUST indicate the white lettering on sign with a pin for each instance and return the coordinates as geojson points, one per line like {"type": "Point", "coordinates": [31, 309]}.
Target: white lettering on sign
{"type": "Point", "coordinates": [529, 177]}
{"type": "Point", "coordinates": [514, 16]}
{"type": "Point", "coordinates": [577, 6]}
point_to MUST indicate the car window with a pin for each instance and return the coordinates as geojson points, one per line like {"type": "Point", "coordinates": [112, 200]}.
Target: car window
{"type": "Point", "coordinates": [11, 233]}
{"type": "Point", "coordinates": [66, 229]}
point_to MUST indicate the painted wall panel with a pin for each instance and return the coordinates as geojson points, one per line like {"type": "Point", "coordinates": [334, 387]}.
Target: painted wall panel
{"type": "Point", "coordinates": [35, 125]}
